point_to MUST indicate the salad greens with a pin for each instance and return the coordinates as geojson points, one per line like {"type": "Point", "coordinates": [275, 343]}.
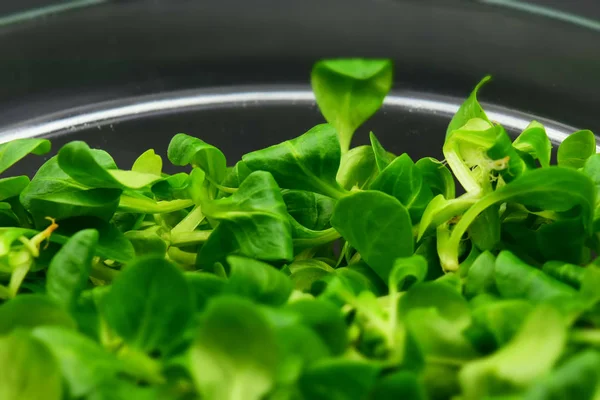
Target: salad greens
{"type": "Point", "coordinates": [309, 269]}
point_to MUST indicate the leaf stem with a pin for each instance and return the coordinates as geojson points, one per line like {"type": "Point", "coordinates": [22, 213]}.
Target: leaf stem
{"type": "Point", "coordinates": [23, 261]}
{"type": "Point", "coordinates": [461, 171]}
{"type": "Point", "coordinates": [181, 257]}
{"type": "Point", "coordinates": [102, 272]}
{"type": "Point", "coordinates": [328, 235]}
{"type": "Point", "coordinates": [190, 222]}
{"type": "Point", "coordinates": [148, 206]}
{"type": "Point", "coordinates": [449, 255]}
{"type": "Point", "coordinates": [140, 365]}
{"type": "Point", "coordinates": [586, 336]}
{"type": "Point", "coordinates": [183, 239]}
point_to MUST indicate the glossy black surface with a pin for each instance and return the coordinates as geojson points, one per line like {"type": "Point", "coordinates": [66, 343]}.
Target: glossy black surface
{"type": "Point", "coordinates": [541, 64]}
{"type": "Point", "coordinates": [243, 119]}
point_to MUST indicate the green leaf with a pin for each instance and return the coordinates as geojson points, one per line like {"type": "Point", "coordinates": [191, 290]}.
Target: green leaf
{"type": "Point", "coordinates": [576, 148]}
{"type": "Point", "coordinates": [54, 193]}
{"type": "Point", "coordinates": [501, 318]}
{"type": "Point", "coordinates": [188, 150]}
{"type": "Point", "coordinates": [437, 176]}
{"type": "Point", "coordinates": [258, 281]}
{"type": "Point", "coordinates": [589, 284]}
{"type": "Point", "coordinates": [516, 279]}
{"type": "Point", "coordinates": [9, 235]}
{"type": "Point", "coordinates": [86, 312]}
{"type": "Point", "coordinates": [304, 273]}
{"type": "Point", "coordinates": [592, 169]}
{"type": "Point", "coordinates": [253, 223]}
{"type": "Point", "coordinates": [119, 389]}
{"type": "Point", "coordinates": [439, 211]}
{"type": "Point", "coordinates": [436, 316]}
{"type": "Point", "coordinates": [132, 202]}
{"type": "Point", "coordinates": [468, 110]}
{"type": "Point", "coordinates": [78, 161]}
{"type": "Point", "coordinates": [112, 243]}
{"type": "Point", "coordinates": [298, 345]}
{"type": "Point", "coordinates": [354, 279]}
{"type": "Point", "coordinates": [507, 161]}
{"type": "Point", "coordinates": [438, 296]}
{"type": "Point", "coordinates": [382, 157]}
{"type": "Point", "coordinates": [147, 242]}
{"type": "Point", "coordinates": [309, 162]}
{"type": "Point", "coordinates": [338, 379]}
{"type": "Point", "coordinates": [69, 269]}
{"type": "Point", "coordinates": [565, 272]}
{"type": "Point", "coordinates": [378, 226]}
{"type": "Point", "coordinates": [440, 380]}
{"type": "Point", "coordinates": [141, 306]}
{"type": "Point", "coordinates": [553, 189]}
{"type": "Point", "coordinates": [7, 217]}
{"type": "Point", "coordinates": [485, 231]}
{"type": "Point", "coordinates": [304, 238]}
{"type": "Point", "coordinates": [350, 91]}
{"type": "Point", "coordinates": [235, 354]}
{"type": "Point", "coordinates": [15, 150]}
{"type": "Point", "coordinates": [577, 378]}
{"type": "Point", "coordinates": [29, 371]}
{"type": "Point", "coordinates": [325, 319]}
{"type": "Point", "coordinates": [13, 186]}
{"type": "Point", "coordinates": [84, 364]}
{"type": "Point", "coordinates": [403, 180]}
{"type": "Point", "coordinates": [428, 249]}
{"type": "Point", "coordinates": [411, 270]}
{"type": "Point", "coordinates": [439, 339]}
{"type": "Point", "coordinates": [563, 240]}
{"type": "Point", "coordinates": [311, 210]}
{"type": "Point", "coordinates": [172, 187]}
{"type": "Point", "coordinates": [399, 385]}
{"type": "Point", "coordinates": [535, 142]}
{"type": "Point", "coordinates": [480, 277]}
{"type": "Point", "coordinates": [204, 287]}
{"type": "Point", "coordinates": [100, 203]}
{"type": "Point", "coordinates": [28, 311]}
{"type": "Point", "coordinates": [148, 163]}
{"type": "Point", "coordinates": [236, 175]}
{"type": "Point", "coordinates": [478, 148]}
{"type": "Point", "coordinates": [358, 168]}
{"type": "Point", "coordinates": [528, 356]}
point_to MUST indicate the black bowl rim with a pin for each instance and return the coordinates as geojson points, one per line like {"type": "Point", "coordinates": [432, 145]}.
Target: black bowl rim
{"type": "Point", "coordinates": [105, 113]}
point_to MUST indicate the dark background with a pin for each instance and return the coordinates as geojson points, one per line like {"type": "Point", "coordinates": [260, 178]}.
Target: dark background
{"type": "Point", "coordinates": [123, 48]}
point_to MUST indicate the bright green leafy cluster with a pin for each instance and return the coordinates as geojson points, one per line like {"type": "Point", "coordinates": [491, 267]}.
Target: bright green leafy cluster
{"type": "Point", "coordinates": [309, 269]}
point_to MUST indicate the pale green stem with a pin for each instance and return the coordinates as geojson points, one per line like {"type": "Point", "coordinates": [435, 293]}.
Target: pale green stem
{"type": "Point", "coordinates": [141, 366]}
{"type": "Point", "coordinates": [586, 336]}
{"type": "Point", "coordinates": [329, 235]}
{"type": "Point", "coordinates": [461, 171]}
{"type": "Point", "coordinates": [190, 222]}
{"type": "Point", "coordinates": [149, 206]}
{"type": "Point", "coordinates": [355, 258]}
{"type": "Point", "coordinates": [182, 257]}
{"type": "Point", "coordinates": [450, 260]}
{"type": "Point", "coordinates": [17, 277]}
{"type": "Point", "coordinates": [189, 238]}
{"type": "Point", "coordinates": [102, 272]}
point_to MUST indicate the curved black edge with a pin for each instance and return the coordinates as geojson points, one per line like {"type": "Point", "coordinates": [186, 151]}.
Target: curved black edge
{"type": "Point", "coordinates": [125, 48]}
{"type": "Point", "coordinates": [90, 116]}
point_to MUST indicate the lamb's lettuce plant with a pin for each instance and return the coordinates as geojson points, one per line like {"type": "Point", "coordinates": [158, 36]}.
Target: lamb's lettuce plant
{"type": "Point", "coordinates": [309, 269]}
